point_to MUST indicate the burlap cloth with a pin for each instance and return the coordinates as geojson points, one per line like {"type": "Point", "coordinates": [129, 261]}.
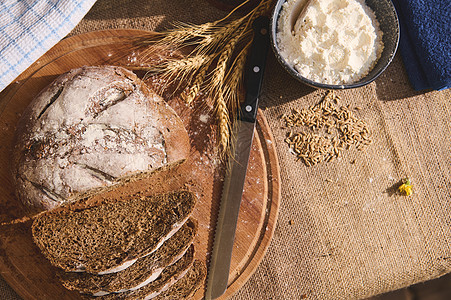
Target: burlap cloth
{"type": "Point", "coordinates": [341, 232]}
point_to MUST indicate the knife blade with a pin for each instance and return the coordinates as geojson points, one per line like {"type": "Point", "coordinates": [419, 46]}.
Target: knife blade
{"type": "Point", "coordinates": [242, 135]}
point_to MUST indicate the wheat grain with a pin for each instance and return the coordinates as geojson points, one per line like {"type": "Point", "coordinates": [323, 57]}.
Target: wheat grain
{"type": "Point", "coordinates": [314, 148]}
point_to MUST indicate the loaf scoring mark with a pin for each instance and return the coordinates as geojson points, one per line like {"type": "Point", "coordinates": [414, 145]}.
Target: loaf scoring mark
{"type": "Point", "coordinates": [101, 138]}
{"type": "Point", "coordinates": [117, 73]}
{"type": "Point", "coordinates": [122, 134]}
{"type": "Point", "coordinates": [76, 146]}
{"type": "Point", "coordinates": [112, 97]}
{"type": "Point", "coordinates": [109, 96]}
{"type": "Point", "coordinates": [49, 193]}
{"type": "Point", "coordinates": [98, 173]}
{"type": "Point", "coordinates": [120, 74]}
{"type": "Point", "coordinates": [52, 100]}
{"type": "Point", "coordinates": [163, 143]}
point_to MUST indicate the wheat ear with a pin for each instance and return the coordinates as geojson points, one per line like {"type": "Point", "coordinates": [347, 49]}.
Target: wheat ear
{"type": "Point", "coordinates": [233, 80]}
{"type": "Point", "coordinates": [222, 114]}
{"type": "Point", "coordinates": [180, 67]}
{"type": "Point", "coordinates": [190, 94]}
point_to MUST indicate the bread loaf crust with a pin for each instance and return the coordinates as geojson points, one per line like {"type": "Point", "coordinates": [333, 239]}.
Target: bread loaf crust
{"type": "Point", "coordinates": [89, 129]}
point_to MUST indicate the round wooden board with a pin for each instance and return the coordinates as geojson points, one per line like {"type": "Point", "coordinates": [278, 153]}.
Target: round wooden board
{"type": "Point", "coordinates": [28, 272]}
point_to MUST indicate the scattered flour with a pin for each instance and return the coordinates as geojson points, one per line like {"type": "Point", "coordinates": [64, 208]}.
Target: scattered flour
{"type": "Point", "coordinates": [337, 42]}
{"type": "Point", "coordinates": [203, 118]}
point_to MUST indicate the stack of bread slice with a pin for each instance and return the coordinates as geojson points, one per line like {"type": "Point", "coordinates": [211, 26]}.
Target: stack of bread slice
{"type": "Point", "coordinates": [92, 129]}
{"type": "Point", "coordinates": [136, 248]}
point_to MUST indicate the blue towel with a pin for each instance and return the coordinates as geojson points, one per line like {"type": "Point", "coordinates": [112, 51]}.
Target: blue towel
{"type": "Point", "coordinates": [425, 42]}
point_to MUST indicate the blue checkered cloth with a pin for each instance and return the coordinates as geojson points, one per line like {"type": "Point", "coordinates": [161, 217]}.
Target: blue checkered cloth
{"type": "Point", "coordinates": [28, 28]}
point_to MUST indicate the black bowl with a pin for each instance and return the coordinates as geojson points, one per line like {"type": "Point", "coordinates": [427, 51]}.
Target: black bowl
{"type": "Point", "coordinates": [388, 21]}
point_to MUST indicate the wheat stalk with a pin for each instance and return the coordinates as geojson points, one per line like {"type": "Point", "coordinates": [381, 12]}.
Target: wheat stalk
{"type": "Point", "coordinates": [188, 34]}
{"type": "Point", "coordinates": [215, 62]}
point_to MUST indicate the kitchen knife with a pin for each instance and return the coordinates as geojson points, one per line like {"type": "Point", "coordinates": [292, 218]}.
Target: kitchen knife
{"type": "Point", "coordinates": [242, 135]}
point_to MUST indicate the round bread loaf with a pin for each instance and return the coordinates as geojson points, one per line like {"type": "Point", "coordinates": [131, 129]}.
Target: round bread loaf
{"type": "Point", "coordinates": [92, 128]}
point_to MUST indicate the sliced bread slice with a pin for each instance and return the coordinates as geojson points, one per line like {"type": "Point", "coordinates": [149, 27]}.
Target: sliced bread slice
{"type": "Point", "coordinates": [109, 238]}
{"type": "Point", "coordinates": [144, 271]}
{"type": "Point", "coordinates": [188, 285]}
{"type": "Point", "coordinates": [168, 278]}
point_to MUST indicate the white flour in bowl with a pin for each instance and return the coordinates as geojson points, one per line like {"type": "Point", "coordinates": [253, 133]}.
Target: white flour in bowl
{"type": "Point", "coordinates": [337, 41]}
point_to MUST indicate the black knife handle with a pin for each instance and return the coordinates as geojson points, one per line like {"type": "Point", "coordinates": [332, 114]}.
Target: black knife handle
{"type": "Point", "coordinates": [255, 69]}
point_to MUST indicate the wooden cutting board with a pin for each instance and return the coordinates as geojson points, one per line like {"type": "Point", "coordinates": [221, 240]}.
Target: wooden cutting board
{"type": "Point", "coordinates": [28, 272]}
